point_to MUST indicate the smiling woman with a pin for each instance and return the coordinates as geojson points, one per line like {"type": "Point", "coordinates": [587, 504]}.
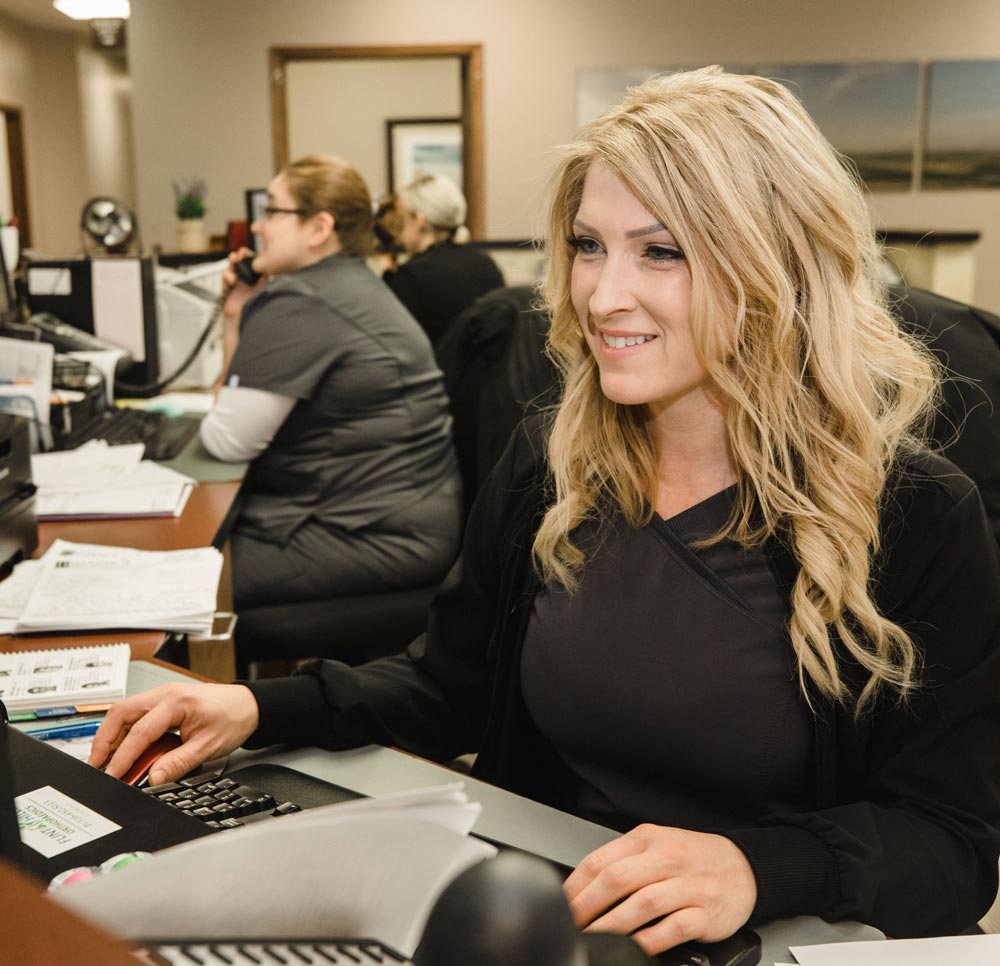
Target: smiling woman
{"type": "Point", "coordinates": [721, 600]}
{"type": "Point", "coordinates": [631, 289]}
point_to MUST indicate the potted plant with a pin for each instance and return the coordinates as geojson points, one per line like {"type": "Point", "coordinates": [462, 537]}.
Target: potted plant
{"type": "Point", "coordinates": [189, 206]}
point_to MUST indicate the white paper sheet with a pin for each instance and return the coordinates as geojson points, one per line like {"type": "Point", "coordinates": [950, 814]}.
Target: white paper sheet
{"type": "Point", "coordinates": [116, 284]}
{"type": "Point", "coordinates": [89, 586]}
{"type": "Point", "coordinates": [28, 365]}
{"type": "Point", "coordinates": [93, 466]}
{"type": "Point", "coordinates": [950, 950]}
{"type": "Point", "coordinates": [97, 480]}
{"type": "Point", "coordinates": [351, 871]}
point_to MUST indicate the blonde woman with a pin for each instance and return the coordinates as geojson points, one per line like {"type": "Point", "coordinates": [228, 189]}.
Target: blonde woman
{"type": "Point", "coordinates": [722, 601]}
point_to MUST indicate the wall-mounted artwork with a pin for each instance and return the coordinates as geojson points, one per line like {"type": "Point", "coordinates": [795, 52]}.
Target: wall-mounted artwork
{"type": "Point", "coordinates": [423, 146]}
{"type": "Point", "coordinates": [962, 148]}
{"type": "Point", "coordinates": [867, 111]}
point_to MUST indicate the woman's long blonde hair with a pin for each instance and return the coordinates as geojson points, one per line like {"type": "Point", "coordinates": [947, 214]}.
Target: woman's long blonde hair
{"type": "Point", "coordinates": [788, 317]}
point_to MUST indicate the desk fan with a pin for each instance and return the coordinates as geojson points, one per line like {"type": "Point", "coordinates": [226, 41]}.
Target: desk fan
{"type": "Point", "coordinates": [108, 226]}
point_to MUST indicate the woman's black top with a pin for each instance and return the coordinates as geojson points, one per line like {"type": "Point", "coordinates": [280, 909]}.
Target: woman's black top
{"type": "Point", "coordinates": [903, 829]}
{"type": "Point", "coordinates": [666, 682]}
{"type": "Point", "coordinates": [439, 283]}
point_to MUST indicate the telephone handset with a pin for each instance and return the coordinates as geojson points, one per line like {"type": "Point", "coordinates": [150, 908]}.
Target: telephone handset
{"type": "Point", "coordinates": [245, 271]}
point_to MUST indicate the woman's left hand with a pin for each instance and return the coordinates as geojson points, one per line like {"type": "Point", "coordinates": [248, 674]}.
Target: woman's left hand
{"type": "Point", "coordinates": [663, 886]}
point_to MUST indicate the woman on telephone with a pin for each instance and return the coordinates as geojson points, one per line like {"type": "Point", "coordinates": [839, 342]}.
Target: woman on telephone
{"type": "Point", "coordinates": [330, 389]}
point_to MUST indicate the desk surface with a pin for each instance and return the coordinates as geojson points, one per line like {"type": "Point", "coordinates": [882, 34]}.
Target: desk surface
{"type": "Point", "coordinates": [195, 527]}
{"type": "Point", "coordinates": [206, 510]}
{"type": "Point", "coordinates": [506, 818]}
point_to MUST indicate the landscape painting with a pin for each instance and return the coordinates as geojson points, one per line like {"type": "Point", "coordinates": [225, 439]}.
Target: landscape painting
{"type": "Point", "coordinates": [962, 149]}
{"type": "Point", "coordinates": [868, 111]}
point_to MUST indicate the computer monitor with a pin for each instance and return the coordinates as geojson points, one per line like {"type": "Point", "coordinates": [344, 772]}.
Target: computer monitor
{"type": "Point", "coordinates": [8, 300]}
{"type": "Point", "coordinates": [113, 298]}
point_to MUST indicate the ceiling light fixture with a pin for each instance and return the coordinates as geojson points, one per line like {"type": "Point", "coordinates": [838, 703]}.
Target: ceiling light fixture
{"type": "Point", "coordinates": [93, 9]}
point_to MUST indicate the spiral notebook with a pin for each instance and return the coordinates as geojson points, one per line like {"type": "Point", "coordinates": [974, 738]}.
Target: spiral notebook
{"type": "Point", "coordinates": [68, 677]}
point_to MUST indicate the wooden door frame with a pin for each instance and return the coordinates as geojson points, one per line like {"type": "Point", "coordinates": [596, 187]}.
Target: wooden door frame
{"type": "Point", "coordinates": [471, 59]}
{"type": "Point", "coordinates": [18, 167]}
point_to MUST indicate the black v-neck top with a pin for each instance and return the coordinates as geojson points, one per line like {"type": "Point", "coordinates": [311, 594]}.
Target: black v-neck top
{"type": "Point", "coordinates": [667, 682]}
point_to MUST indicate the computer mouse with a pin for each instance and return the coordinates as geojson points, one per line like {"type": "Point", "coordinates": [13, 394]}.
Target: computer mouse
{"type": "Point", "coordinates": [138, 773]}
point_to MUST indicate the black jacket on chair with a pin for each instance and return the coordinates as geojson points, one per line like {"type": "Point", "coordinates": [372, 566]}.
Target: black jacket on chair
{"type": "Point", "coordinates": [966, 341]}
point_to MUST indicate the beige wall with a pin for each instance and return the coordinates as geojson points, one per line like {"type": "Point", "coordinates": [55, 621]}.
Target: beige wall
{"type": "Point", "coordinates": [201, 87]}
{"type": "Point", "coordinates": [38, 74]}
{"type": "Point", "coordinates": [340, 107]}
{"type": "Point", "coordinates": [76, 110]}
{"type": "Point", "coordinates": [106, 113]}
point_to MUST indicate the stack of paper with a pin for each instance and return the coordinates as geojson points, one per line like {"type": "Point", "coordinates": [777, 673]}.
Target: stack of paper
{"type": "Point", "coordinates": [365, 869]}
{"type": "Point", "coordinates": [78, 586]}
{"type": "Point", "coordinates": [101, 481]}
{"type": "Point", "coordinates": [71, 676]}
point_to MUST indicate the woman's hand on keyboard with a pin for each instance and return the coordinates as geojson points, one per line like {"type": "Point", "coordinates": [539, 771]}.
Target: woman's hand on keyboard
{"type": "Point", "coordinates": [213, 720]}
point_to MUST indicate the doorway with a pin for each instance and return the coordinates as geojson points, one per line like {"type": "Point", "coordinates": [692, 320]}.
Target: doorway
{"type": "Point", "coordinates": [358, 101]}
{"type": "Point", "coordinates": [13, 177]}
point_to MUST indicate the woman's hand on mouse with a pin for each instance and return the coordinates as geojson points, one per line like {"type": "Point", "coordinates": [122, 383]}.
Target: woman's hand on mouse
{"type": "Point", "coordinates": [664, 886]}
{"type": "Point", "coordinates": [213, 720]}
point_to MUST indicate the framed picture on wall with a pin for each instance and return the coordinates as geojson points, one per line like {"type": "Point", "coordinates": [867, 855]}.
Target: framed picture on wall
{"type": "Point", "coordinates": [416, 146]}
{"type": "Point", "coordinates": [962, 141]}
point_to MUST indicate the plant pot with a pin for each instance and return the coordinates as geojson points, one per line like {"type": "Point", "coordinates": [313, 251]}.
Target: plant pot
{"type": "Point", "coordinates": [9, 239]}
{"type": "Point", "coordinates": [191, 235]}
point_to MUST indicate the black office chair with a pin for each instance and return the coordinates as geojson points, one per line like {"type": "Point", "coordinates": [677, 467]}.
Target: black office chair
{"type": "Point", "coordinates": [350, 629]}
{"type": "Point", "coordinates": [495, 368]}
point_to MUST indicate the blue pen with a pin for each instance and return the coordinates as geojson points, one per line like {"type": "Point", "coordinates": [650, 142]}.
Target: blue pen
{"type": "Point", "coordinates": [84, 730]}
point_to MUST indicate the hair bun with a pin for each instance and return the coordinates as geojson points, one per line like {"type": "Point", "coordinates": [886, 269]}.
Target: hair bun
{"type": "Point", "coordinates": [461, 235]}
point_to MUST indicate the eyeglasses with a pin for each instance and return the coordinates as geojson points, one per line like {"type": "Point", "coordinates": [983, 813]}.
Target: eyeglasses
{"type": "Point", "coordinates": [270, 211]}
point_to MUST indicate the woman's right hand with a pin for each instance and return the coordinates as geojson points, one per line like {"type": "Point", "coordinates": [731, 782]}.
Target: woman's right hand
{"type": "Point", "coordinates": [213, 720]}
{"type": "Point", "coordinates": [234, 291]}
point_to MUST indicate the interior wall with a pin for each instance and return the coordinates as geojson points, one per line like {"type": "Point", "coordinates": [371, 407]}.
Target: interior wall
{"type": "Point", "coordinates": [106, 120]}
{"type": "Point", "coordinates": [38, 74]}
{"type": "Point", "coordinates": [341, 106]}
{"type": "Point", "coordinates": [201, 89]}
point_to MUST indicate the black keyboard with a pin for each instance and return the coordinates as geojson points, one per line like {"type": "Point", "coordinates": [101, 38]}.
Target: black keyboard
{"type": "Point", "coordinates": [163, 436]}
{"type": "Point", "coordinates": [271, 952]}
{"type": "Point", "coordinates": [248, 795]}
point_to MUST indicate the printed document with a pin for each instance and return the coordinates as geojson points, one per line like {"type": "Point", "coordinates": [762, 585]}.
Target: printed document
{"type": "Point", "coordinates": [97, 481]}
{"type": "Point", "coordinates": [89, 587]}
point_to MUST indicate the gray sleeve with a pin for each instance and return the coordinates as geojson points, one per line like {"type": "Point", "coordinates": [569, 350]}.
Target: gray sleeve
{"type": "Point", "coordinates": [288, 343]}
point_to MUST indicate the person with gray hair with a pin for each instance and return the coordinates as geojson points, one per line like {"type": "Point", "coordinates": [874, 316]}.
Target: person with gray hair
{"type": "Point", "coordinates": [443, 276]}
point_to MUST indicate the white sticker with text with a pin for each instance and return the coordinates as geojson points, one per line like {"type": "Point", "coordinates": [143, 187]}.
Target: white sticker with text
{"type": "Point", "coordinates": [53, 823]}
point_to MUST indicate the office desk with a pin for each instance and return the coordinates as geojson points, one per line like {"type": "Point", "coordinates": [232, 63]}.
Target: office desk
{"type": "Point", "coordinates": [206, 511]}
{"type": "Point", "coordinates": [509, 819]}
{"type": "Point", "coordinates": [506, 818]}
{"type": "Point", "coordinates": [53, 934]}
